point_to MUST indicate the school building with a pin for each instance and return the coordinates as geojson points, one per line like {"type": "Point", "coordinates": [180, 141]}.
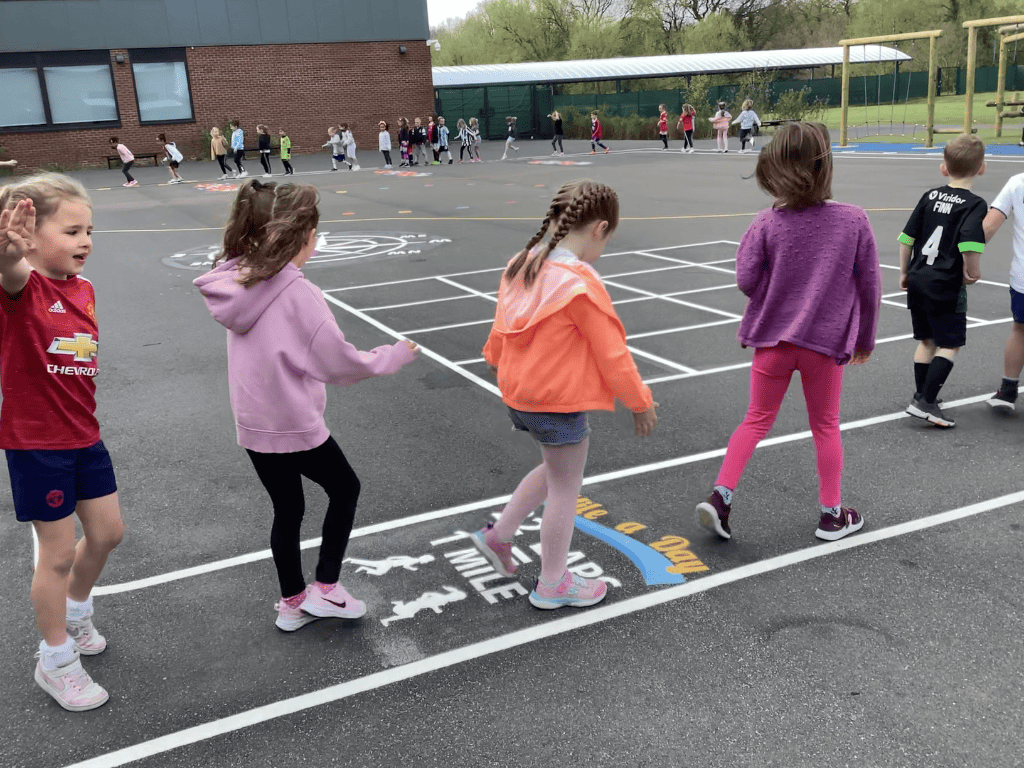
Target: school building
{"type": "Point", "coordinates": [73, 73]}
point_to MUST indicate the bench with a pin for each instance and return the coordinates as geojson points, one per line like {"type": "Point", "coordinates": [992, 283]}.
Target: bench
{"type": "Point", "coordinates": [111, 159]}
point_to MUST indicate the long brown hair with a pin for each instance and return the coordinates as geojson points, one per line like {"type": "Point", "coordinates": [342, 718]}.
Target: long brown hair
{"type": "Point", "coordinates": [796, 166]}
{"type": "Point", "coordinates": [268, 226]}
{"type": "Point", "coordinates": [577, 204]}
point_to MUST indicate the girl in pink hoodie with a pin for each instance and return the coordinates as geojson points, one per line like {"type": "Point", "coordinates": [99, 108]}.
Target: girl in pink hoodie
{"type": "Point", "coordinates": [284, 347]}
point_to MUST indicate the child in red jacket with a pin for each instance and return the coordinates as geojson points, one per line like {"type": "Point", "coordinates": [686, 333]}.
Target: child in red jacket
{"type": "Point", "coordinates": [663, 125]}
{"type": "Point", "coordinates": [595, 135]}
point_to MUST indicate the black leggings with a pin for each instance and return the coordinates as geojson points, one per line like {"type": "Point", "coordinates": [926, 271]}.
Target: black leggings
{"type": "Point", "coordinates": [287, 166]}
{"type": "Point", "coordinates": [387, 157]}
{"type": "Point", "coordinates": [281, 474]}
{"type": "Point", "coordinates": [558, 138]}
{"type": "Point", "coordinates": [688, 139]}
{"type": "Point", "coordinates": [265, 161]}
{"type": "Point", "coordinates": [239, 157]}
{"type": "Point", "coordinates": [126, 168]}
{"type": "Point", "coordinates": [745, 137]}
{"type": "Point", "coordinates": [223, 166]}
{"type": "Point", "coordinates": [664, 139]}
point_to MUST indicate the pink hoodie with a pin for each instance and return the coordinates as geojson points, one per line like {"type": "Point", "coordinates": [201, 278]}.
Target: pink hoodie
{"type": "Point", "coordinates": [283, 346]}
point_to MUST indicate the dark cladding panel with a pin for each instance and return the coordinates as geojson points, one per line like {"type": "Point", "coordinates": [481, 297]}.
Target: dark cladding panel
{"type": "Point", "coordinates": [243, 22]}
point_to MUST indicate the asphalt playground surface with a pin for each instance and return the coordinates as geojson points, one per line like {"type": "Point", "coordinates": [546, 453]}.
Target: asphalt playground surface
{"type": "Point", "coordinates": [897, 646]}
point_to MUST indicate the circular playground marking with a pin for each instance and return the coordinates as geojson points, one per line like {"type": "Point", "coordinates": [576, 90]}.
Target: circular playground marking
{"type": "Point", "coordinates": [402, 173]}
{"type": "Point", "coordinates": [560, 162]}
{"type": "Point", "coordinates": [330, 248]}
{"type": "Point", "coordinates": [217, 187]}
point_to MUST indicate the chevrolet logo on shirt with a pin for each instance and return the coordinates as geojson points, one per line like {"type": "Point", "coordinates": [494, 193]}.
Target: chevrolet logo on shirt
{"type": "Point", "coordinates": [81, 346]}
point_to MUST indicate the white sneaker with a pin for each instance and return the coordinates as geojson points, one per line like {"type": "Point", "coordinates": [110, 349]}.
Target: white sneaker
{"type": "Point", "coordinates": [689, 151]}
{"type": "Point", "coordinates": [242, 175]}
{"type": "Point", "coordinates": [355, 168]}
{"type": "Point", "coordinates": [554, 154]}
{"type": "Point", "coordinates": [71, 686]}
{"type": "Point", "coordinates": [88, 641]}
{"type": "Point", "coordinates": [561, 154]}
{"type": "Point", "coordinates": [267, 175]}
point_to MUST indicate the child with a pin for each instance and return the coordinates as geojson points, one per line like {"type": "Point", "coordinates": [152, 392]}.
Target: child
{"type": "Point", "coordinates": [663, 125]}
{"type": "Point", "coordinates": [335, 145]}
{"type": "Point", "coordinates": [127, 160]}
{"type": "Point", "coordinates": [510, 125]}
{"type": "Point", "coordinates": [474, 134]}
{"type": "Point", "coordinates": [238, 147]}
{"type": "Point", "coordinates": [442, 139]}
{"type": "Point", "coordinates": [939, 247]}
{"type": "Point", "coordinates": [348, 140]}
{"type": "Point", "coordinates": [384, 143]}
{"type": "Point", "coordinates": [1010, 202]}
{"type": "Point", "coordinates": [686, 124]}
{"type": "Point", "coordinates": [556, 120]}
{"type": "Point", "coordinates": [747, 120]}
{"type": "Point", "coordinates": [219, 151]}
{"type": "Point", "coordinates": [813, 308]}
{"type": "Point", "coordinates": [286, 152]}
{"type": "Point", "coordinates": [58, 463]}
{"type": "Point", "coordinates": [173, 157]}
{"type": "Point", "coordinates": [404, 139]}
{"type": "Point", "coordinates": [419, 143]}
{"type": "Point", "coordinates": [284, 346]}
{"type": "Point", "coordinates": [558, 349]}
{"type": "Point", "coordinates": [720, 122]}
{"type": "Point", "coordinates": [432, 139]}
{"type": "Point", "coordinates": [595, 134]}
{"type": "Point", "coordinates": [464, 140]}
{"type": "Point", "coordinates": [263, 145]}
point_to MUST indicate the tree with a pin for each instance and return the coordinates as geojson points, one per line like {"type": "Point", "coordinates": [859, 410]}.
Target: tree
{"type": "Point", "coordinates": [714, 34]}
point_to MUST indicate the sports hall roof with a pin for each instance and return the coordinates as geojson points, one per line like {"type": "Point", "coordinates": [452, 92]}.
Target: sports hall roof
{"type": "Point", "coordinates": [636, 67]}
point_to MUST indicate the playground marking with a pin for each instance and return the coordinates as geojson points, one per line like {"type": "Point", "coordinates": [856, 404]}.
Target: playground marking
{"type": "Point", "coordinates": [533, 634]}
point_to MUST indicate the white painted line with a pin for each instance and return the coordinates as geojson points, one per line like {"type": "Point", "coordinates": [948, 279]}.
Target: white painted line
{"type": "Point", "coordinates": [712, 310]}
{"type": "Point", "coordinates": [533, 634]}
{"type": "Point", "coordinates": [474, 361]}
{"type": "Point", "coordinates": [709, 265]}
{"type": "Point", "coordinates": [681, 328]}
{"type": "Point", "coordinates": [643, 469]}
{"type": "Point", "coordinates": [706, 372]}
{"type": "Point", "coordinates": [661, 360]}
{"type": "Point", "coordinates": [414, 303]}
{"type": "Point", "coordinates": [447, 327]}
{"type": "Point", "coordinates": [466, 288]}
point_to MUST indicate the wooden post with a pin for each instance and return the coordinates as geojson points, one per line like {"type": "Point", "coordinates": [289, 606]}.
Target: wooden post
{"type": "Point", "coordinates": [1000, 86]}
{"type": "Point", "coordinates": [932, 64]}
{"type": "Point", "coordinates": [972, 47]}
{"type": "Point", "coordinates": [846, 95]}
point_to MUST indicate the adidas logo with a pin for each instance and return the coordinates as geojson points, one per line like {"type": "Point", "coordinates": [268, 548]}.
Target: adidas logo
{"type": "Point", "coordinates": [57, 307]}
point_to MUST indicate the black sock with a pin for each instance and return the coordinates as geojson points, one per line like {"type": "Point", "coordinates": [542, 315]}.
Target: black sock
{"type": "Point", "coordinates": [938, 371]}
{"type": "Point", "coordinates": [920, 374]}
{"type": "Point", "coordinates": [1009, 385]}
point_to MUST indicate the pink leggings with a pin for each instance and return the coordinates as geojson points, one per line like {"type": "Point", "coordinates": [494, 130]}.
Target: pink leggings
{"type": "Point", "coordinates": [822, 381]}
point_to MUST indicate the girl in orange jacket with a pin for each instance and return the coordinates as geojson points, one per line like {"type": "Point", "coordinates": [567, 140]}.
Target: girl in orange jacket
{"type": "Point", "coordinates": [559, 349]}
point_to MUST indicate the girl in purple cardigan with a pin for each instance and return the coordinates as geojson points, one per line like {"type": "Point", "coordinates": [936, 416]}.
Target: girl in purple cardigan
{"type": "Point", "coordinates": [284, 347]}
{"type": "Point", "coordinates": [809, 267]}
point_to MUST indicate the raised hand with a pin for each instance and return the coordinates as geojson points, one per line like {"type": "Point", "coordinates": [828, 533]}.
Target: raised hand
{"type": "Point", "coordinates": [17, 226]}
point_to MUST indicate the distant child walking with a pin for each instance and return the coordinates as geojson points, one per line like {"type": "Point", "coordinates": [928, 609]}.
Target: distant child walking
{"type": "Point", "coordinates": [663, 125]}
{"type": "Point", "coordinates": [813, 307]}
{"type": "Point", "coordinates": [940, 250]}
{"type": "Point", "coordinates": [284, 347]}
{"type": "Point", "coordinates": [510, 126]}
{"type": "Point", "coordinates": [349, 140]}
{"type": "Point", "coordinates": [432, 139]}
{"type": "Point", "coordinates": [172, 157]}
{"type": "Point", "coordinates": [127, 161]}
{"type": "Point", "coordinates": [337, 148]}
{"type": "Point", "coordinates": [263, 145]}
{"type": "Point", "coordinates": [556, 121]}
{"type": "Point", "coordinates": [595, 134]}
{"type": "Point", "coordinates": [464, 140]}
{"type": "Point", "coordinates": [747, 120]}
{"type": "Point", "coordinates": [474, 134]}
{"type": "Point", "coordinates": [219, 151]}
{"type": "Point", "coordinates": [404, 140]}
{"type": "Point", "coordinates": [686, 124]}
{"type": "Point", "coordinates": [558, 349]}
{"type": "Point", "coordinates": [384, 143]}
{"type": "Point", "coordinates": [442, 140]}
{"type": "Point", "coordinates": [59, 466]}
{"type": "Point", "coordinates": [720, 122]}
{"type": "Point", "coordinates": [419, 143]}
{"type": "Point", "coordinates": [286, 152]}
{"type": "Point", "coordinates": [238, 147]}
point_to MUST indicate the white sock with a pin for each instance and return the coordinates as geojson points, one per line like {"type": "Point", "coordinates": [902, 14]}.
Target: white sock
{"type": "Point", "coordinates": [834, 511]}
{"type": "Point", "coordinates": [56, 655]}
{"type": "Point", "coordinates": [726, 493]}
{"type": "Point", "coordinates": [77, 611]}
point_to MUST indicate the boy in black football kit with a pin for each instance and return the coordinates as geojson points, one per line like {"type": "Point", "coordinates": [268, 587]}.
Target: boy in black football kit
{"type": "Point", "coordinates": [940, 249]}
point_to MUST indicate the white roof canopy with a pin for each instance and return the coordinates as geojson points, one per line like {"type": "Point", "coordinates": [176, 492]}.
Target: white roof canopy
{"type": "Point", "coordinates": [634, 67]}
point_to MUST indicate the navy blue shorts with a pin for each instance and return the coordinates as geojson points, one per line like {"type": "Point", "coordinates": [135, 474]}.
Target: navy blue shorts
{"type": "Point", "coordinates": [552, 428]}
{"type": "Point", "coordinates": [48, 485]}
{"type": "Point", "coordinates": [1017, 306]}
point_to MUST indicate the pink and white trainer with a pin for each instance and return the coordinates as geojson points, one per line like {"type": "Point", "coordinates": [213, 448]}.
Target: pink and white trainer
{"type": "Point", "coordinates": [334, 603]}
{"type": "Point", "coordinates": [88, 641]}
{"type": "Point", "coordinates": [71, 686]}
{"type": "Point", "coordinates": [292, 617]}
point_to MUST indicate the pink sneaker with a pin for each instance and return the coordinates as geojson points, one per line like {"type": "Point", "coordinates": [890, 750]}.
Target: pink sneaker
{"type": "Point", "coordinates": [71, 686]}
{"type": "Point", "coordinates": [498, 553]}
{"type": "Point", "coordinates": [336, 603]}
{"type": "Point", "coordinates": [291, 618]}
{"type": "Point", "coordinates": [87, 640]}
{"type": "Point", "coordinates": [573, 591]}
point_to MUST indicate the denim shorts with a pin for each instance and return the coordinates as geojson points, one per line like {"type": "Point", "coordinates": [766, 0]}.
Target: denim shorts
{"type": "Point", "coordinates": [552, 428]}
{"type": "Point", "coordinates": [1017, 306]}
{"type": "Point", "coordinates": [47, 485]}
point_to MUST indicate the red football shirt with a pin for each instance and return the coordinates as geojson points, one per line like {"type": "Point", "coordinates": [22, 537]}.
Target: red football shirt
{"type": "Point", "coordinates": [663, 122]}
{"type": "Point", "coordinates": [47, 364]}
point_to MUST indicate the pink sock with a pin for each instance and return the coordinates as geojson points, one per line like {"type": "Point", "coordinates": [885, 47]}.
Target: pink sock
{"type": "Point", "coordinates": [296, 600]}
{"type": "Point", "coordinates": [324, 588]}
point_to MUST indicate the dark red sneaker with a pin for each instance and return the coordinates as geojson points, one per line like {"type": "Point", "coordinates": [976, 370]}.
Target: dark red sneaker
{"type": "Point", "coordinates": [832, 528]}
{"type": "Point", "coordinates": [713, 514]}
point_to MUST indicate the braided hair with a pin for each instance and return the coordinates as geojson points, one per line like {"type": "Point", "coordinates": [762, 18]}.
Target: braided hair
{"type": "Point", "coordinates": [576, 204]}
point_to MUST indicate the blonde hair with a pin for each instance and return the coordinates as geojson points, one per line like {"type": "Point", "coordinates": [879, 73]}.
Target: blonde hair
{"type": "Point", "coordinates": [215, 132]}
{"type": "Point", "coordinates": [268, 226]}
{"type": "Point", "coordinates": [687, 109]}
{"type": "Point", "coordinates": [576, 204]}
{"type": "Point", "coordinates": [474, 121]}
{"type": "Point", "coordinates": [554, 115]}
{"type": "Point", "coordinates": [46, 191]}
{"type": "Point", "coordinates": [461, 124]}
{"type": "Point", "coordinates": [796, 166]}
{"type": "Point", "coordinates": [748, 104]}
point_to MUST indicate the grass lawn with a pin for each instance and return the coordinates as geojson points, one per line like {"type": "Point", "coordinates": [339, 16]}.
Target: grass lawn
{"type": "Point", "coordinates": [949, 113]}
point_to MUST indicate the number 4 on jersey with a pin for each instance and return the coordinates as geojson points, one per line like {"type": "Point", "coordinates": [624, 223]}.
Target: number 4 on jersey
{"type": "Point", "coordinates": [931, 247]}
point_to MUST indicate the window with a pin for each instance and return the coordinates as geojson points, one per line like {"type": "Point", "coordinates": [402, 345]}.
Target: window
{"type": "Point", "coordinates": [161, 85]}
{"type": "Point", "coordinates": [53, 91]}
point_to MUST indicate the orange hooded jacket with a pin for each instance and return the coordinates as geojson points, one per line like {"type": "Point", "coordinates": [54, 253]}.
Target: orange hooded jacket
{"type": "Point", "coordinates": [559, 346]}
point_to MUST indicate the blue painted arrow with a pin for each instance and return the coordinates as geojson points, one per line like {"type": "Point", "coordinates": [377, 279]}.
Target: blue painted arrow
{"type": "Point", "coordinates": [653, 565]}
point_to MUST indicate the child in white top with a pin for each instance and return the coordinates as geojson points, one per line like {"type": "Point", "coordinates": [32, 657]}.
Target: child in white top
{"type": "Point", "coordinates": [720, 122]}
{"type": "Point", "coordinates": [349, 141]}
{"type": "Point", "coordinates": [474, 135]}
{"type": "Point", "coordinates": [336, 146]}
{"type": "Point", "coordinates": [442, 140]}
{"type": "Point", "coordinates": [1010, 202]}
{"type": "Point", "coordinates": [747, 120]}
{"type": "Point", "coordinates": [384, 143]}
{"type": "Point", "coordinates": [173, 157]}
